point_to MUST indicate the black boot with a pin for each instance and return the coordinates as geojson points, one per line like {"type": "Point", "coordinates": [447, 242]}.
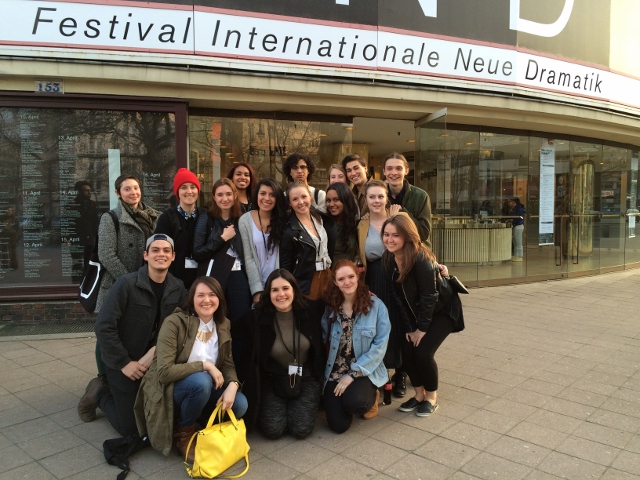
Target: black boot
{"type": "Point", "coordinates": [400, 384]}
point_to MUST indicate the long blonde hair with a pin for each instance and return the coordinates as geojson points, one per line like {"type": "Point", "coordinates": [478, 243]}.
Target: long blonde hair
{"type": "Point", "coordinates": [412, 248]}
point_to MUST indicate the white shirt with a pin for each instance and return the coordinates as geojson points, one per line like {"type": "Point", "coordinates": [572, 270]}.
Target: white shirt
{"type": "Point", "coordinates": [207, 350]}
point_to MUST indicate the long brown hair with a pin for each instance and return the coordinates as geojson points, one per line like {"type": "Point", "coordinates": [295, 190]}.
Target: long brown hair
{"type": "Point", "coordinates": [236, 210]}
{"type": "Point", "coordinates": [221, 312]}
{"type": "Point", "coordinates": [334, 298]}
{"type": "Point", "coordinates": [412, 245]}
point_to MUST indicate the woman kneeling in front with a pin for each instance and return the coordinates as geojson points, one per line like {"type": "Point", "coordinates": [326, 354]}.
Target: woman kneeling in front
{"type": "Point", "coordinates": [192, 372]}
{"type": "Point", "coordinates": [287, 360]}
{"type": "Point", "coordinates": [356, 327]}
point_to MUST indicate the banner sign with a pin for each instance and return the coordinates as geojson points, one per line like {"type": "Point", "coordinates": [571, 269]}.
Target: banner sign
{"type": "Point", "coordinates": [547, 191]}
{"type": "Point", "coordinates": [204, 32]}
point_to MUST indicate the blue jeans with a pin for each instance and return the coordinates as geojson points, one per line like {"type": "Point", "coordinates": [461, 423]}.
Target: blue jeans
{"type": "Point", "coordinates": [196, 394]}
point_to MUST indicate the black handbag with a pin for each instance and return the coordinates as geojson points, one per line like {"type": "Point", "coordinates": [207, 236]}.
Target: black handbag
{"type": "Point", "coordinates": [457, 285]}
{"type": "Point", "coordinates": [93, 273]}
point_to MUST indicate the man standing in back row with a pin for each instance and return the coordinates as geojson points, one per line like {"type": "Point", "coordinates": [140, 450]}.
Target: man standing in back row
{"type": "Point", "coordinates": [356, 170]}
{"type": "Point", "coordinates": [413, 200]}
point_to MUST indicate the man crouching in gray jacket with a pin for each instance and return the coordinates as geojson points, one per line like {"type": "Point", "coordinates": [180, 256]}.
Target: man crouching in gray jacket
{"type": "Point", "coordinates": [127, 330]}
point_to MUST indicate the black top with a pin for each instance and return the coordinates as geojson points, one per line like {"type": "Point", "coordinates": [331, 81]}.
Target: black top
{"type": "Point", "coordinates": [182, 231]}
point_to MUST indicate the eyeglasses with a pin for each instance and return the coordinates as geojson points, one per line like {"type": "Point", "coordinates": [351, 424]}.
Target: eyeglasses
{"type": "Point", "coordinates": [300, 167]}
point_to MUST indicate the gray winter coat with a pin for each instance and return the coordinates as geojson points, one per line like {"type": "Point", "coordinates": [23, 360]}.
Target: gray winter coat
{"type": "Point", "coordinates": [121, 252]}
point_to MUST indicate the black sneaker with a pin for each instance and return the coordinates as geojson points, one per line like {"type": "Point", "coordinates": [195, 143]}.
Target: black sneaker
{"type": "Point", "coordinates": [400, 385]}
{"type": "Point", "coordinates": [426, 409]}
{"type": "Point", "coordinates": [410, 405]}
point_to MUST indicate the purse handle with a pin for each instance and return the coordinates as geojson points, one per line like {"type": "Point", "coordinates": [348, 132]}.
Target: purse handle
{"type": "Point", "coordinates": [219, 412]}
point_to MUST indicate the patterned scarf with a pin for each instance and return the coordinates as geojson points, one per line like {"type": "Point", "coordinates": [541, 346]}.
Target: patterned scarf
{"type": "Point", "coordinates": [144, 216]}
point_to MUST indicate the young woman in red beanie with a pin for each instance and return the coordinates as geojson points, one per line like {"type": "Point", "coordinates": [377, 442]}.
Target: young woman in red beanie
{"type": "Point", "coordinates": [179, 223]}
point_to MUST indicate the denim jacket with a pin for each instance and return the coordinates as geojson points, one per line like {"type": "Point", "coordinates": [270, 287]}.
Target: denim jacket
{"type": "Point", "coordinates": [370, 339]}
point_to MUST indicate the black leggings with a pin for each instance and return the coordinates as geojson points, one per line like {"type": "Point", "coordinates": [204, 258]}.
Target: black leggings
{"type": "Point", "coordinates": [357, 399]}
{"type": "Point", "coordinates": [419, 362]}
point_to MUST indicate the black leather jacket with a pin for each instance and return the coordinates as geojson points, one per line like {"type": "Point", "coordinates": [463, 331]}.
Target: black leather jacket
{"type": "Point", "coordinates": [417, 294]}
{"type": "Point", "coordinates": [298, 252]}
{"type": "Point", "coordinates": [207, 240]}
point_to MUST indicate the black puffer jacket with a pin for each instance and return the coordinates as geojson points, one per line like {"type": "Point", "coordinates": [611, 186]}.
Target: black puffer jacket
{"type": "Point", "coordinates": [298, 252]}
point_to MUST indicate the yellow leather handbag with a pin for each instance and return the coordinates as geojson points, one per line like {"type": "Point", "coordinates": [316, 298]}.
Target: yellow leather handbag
{"type": "Point", "coordinates": [218, 447]}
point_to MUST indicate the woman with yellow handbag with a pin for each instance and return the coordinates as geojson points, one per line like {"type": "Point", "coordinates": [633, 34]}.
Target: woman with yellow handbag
{"type": "Point", "coordinates": [192, 372]}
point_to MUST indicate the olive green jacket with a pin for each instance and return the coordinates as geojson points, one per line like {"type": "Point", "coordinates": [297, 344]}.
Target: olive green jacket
{"type": "Point", "coordinates": [154, 403]}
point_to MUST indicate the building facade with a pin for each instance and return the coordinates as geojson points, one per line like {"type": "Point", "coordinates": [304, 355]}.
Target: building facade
{"type": "Point", "coordinates": [488, 99]}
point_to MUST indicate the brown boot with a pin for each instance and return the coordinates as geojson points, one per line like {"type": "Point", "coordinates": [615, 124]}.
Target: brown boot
{"type": "Point", "coordinates": [89, 401]}
{"type": "Point", "coordinates": [374, 410]}
{"type": "Point", "coordinates": [184, 434]}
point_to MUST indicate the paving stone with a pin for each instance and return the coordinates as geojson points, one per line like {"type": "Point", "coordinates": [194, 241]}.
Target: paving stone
{"type": "Point", "coordinates": [588, 450]}
{"type": "Point", "coordinates": [449, 453]}
{"type": "Point", "coordinates": [556, 421]}
{"type": "Point", "coordinates": [488, 466]}
{"type": "Point", "coordinates": [628, 462]}
{"type": "Point", "coordinates": [30, 471]}
{"type": "Point", "coordinates": [72, 461]}
{"type": "Point", "coordinates": [602, 434]}
{"type": "Point", "coordinates": [519, 451]}
{"type": "Point", "coordinates": [375, 454]}
{"type": "Point", "coordinates": [302, 456]}
{"type": "Point", "coordinates": [30, 429]}
{"type": "Point", "coordinates": [567, 466]}
{"type": "Point", "coordinates": [492, 421]}
{"type": "Point", "coordinates": [539, 435]}
{"type": "Point", "coordinates": [470, 435]}
{"type": "Point", "coordinates": [341, 468]}
{"type": "Point", "coordinates": [414, 466]}
{"type": "Point", "coordinates": [13, 457]}
{"type": "Point", "coordinates": [50, 444]}
{"type": "Point", "coordinates": [403, 436]}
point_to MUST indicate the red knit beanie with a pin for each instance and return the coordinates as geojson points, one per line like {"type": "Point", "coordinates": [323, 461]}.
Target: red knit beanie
{"type": "Point", "coordinates": [184, 176]}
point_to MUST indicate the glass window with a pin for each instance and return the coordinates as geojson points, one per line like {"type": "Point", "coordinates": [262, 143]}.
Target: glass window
{"type": "Point", "coordinates": [57, 170]}
{"type": "Point", "coordinates": [217, 143]}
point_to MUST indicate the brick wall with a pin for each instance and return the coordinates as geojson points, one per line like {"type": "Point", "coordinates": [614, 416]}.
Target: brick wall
{"type": "Point", "coordinates": [42, 312]}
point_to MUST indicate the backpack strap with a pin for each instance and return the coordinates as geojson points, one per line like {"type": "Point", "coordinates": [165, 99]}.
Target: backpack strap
{"type": "Point", "coordinates": [315, 195]}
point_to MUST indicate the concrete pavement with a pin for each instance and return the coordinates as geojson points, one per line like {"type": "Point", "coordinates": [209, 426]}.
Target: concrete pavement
{"type": "Point", "coordinates": [544, 383]}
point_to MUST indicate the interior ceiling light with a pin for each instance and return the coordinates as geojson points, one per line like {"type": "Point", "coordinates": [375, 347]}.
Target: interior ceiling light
{"type": "Point", "coordinates": [444, 134]}
{"type": "Point", "coordinates": [412, 140]}
{"type": "Point", "coordinates": [323, 134]}
{"type": "Point", "coordinates": [470, 143]}
{"type": "Point", "coordinates": [348, 126]}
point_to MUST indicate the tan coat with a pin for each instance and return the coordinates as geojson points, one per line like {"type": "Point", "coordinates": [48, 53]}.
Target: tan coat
{"type": "Point", "coordinates": [363, 229]}
{"type": "Point", "coordinates": [154, 403]}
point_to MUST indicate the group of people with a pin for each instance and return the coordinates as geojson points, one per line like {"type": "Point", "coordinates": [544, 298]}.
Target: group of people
{"type": "Point", "coordinates": [267, 302]}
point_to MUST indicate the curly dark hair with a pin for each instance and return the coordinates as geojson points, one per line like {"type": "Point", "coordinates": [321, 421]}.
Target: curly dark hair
{"type": "Point", "coordinates": [278, 214]}
{"type": "Point", "coordinates": [265, 306]}
{"type": "Point", "coordinates": [293, 159]}
{"type": "Point", "coordinates": [221, 312]}
{"type": "Point", "coordinates": [348, 219]}
{"type": "Point", "coordinates": [334, 298]}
